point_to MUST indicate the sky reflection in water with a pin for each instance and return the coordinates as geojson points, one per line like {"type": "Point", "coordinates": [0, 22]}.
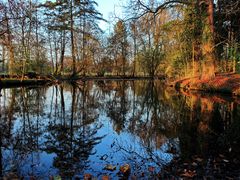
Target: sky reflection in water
{"type": "Point", "coordinates": [73, 130]}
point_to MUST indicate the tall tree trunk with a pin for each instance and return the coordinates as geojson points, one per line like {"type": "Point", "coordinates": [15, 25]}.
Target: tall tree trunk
{"type": "Point", "coordinates": [39, 67]}
{"type": "Point", "coordinates": [11, 58]}
{"type": "Point", "coordinates": [51, 51]}
{"type": "Point", "coordinates": [62, 50]}
{"type": "Point", "coordinates": [84, 59]}
{"type": "Point", "coordinates": [10, 49]}
{"type": "Point", "coordinates": [196, 44]}
{"type": "Point", "coordinates": [72, 40]}
{"type": "Point", "coordinates": [123, 59]}
{"type": "Point", "coordinates": [56, 53]}
{"type": "Point", "coordinates": [208, 67]}
{"type": "Point", "coordinates": [3, 57]}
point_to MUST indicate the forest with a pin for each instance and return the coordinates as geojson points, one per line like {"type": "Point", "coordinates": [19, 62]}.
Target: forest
{"type": "Point", "coordinates": [155, 95]}
{"type": "Point", "coordinates": [173, 39]}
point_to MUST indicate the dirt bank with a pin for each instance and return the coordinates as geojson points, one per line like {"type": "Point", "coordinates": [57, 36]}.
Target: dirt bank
{"type": "Point", "coordinates": [223, 83]}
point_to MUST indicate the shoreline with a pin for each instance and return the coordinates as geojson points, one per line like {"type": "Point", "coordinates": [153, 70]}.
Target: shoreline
{"type": "Point", "coordinates": [221, 83]}
{"type": "Point", "coordinates": [15, 82]}
{"type": "Point", "coordinates": [8, 83]}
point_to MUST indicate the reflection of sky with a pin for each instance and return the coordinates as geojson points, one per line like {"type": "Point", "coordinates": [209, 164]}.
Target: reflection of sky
{"type": "Point", "coordinates": [40, 163]}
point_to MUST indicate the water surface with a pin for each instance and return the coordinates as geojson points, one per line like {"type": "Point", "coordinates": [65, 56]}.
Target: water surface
{"type": "Point", "coordinates": [71, 130]}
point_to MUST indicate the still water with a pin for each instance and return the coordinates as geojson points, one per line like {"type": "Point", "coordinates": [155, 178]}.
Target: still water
{"type": "Point", "coordinates": [71, 130]}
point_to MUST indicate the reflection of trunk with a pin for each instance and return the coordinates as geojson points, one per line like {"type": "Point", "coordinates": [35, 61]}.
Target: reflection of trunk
{"type": "Point", "coordinates": [72, 115]}
{"type": "Point", "coordinates": [56, 105]}
{"type": "Point", "coordinates": [1, 131]}
{"type": "Point", "coordinates": [1, 167]}
{"type": "Point", "coordinates": [11, 109]}
{"type": "Point", "coordinates": [51, 105]}
{"type": "Point", "coordinates": [123, 103]}
{"type": "Point", "coordinates": [62, 104]}
{"type": "Point", "coordinates": [84, 119]}
{"type": "Point", "coordinates": [133, 123]}
{"type": "Point", "coordinates": [26, 109]}
{"type": "Point", "coordinates": [23, 113]}
{"type": "Point", "coordinates": [38, 116]}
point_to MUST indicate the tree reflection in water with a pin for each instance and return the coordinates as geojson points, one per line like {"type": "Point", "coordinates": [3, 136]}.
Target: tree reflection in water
{"type": "Point", "coordinates": [73, 139]}
{"type": "Point", "coordinates": [67, 129]}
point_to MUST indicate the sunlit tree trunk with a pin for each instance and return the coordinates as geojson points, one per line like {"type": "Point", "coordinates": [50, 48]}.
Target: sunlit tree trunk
{"type": "Point", "coordinates": [208, 69]}
{"type": "Point", "coordinates": [196, 45]}
{"type": "Point", "coordinates": [3, 57]}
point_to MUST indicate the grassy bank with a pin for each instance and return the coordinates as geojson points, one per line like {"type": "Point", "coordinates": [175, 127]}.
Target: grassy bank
{"type": "Point", "coordinates": [222, 83]}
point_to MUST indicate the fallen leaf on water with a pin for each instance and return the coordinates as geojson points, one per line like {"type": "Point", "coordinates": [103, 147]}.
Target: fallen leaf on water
{"type": "Point", "coordinates": [221, 155]}
{"type": "Point", "coordinates": [87, 176]}
{"type": "Point", "coordinates": [105, 177]}
{"type": "Point", "coordinates": [225, 160]}
{"type": "Point", "coordinates": [133, 178]}
{"type": "Point", "coordinates": [57, 178]}
{"type": "Point", "coordinates": [11, 176]}
{"type": "Point", "coordinates": [194, 164]}
{"type": "Point", "coordinates": [189, 174]}
{"type": "Point", "coordinates": [125, 169]}
{"type": "Point", "coordinates": [110, 167]}
{"type": "Point", "coordinates": [151, 169]}
{"type": "Point", "coordinates": [199, 159]}
{"type": "Point", "coordinates": [104, 157]}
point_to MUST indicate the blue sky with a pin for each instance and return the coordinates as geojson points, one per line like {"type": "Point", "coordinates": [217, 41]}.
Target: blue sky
{"type": "Point", "coordinates": [106, 7]}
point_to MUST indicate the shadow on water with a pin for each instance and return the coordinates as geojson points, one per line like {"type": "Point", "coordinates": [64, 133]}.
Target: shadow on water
{"type": "Point", "coordinates": [72, 130]}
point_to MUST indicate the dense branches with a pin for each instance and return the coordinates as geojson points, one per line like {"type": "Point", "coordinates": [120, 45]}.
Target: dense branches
{"type": "Point", "coordinates": [174, 38]}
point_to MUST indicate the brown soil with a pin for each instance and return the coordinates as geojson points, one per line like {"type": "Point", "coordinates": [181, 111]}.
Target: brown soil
{"type": "Point", "coordinates": [224, 83]}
